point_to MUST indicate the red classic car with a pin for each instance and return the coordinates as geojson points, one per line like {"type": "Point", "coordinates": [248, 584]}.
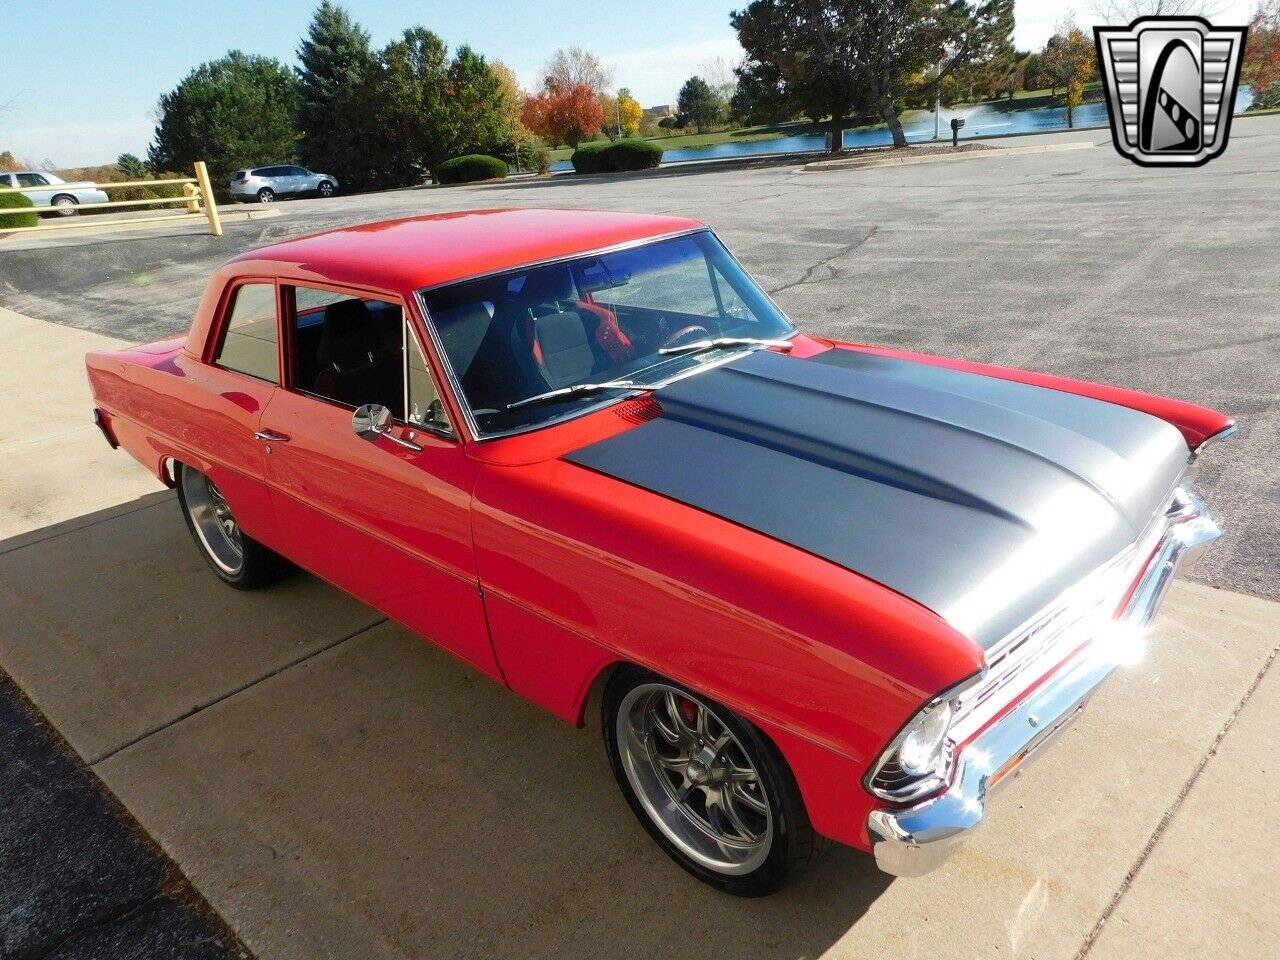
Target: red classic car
{"type": "Point", "coordinates": [824, 590]}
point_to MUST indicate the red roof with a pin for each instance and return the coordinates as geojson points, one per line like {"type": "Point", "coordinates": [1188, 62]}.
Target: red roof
{"type": "Point", "coordinates": [428, 250]}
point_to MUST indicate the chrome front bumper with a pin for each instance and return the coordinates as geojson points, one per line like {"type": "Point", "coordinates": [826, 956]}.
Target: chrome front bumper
{"type": "Point", "coordinates": [911, 841]}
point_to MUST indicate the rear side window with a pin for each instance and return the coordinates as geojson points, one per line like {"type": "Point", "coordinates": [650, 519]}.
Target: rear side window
{"type": "Point", "coordinates": [239, 175]}
{"type": "Point", "coordinates": [249, 344]}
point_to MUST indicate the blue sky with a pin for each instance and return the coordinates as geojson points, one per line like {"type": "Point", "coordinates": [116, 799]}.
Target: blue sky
{"type": "Point", "coordinates": [79, 79]}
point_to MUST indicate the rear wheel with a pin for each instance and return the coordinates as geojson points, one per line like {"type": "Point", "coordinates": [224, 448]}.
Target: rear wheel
{"type": "Point", "coordinates": [64, 205]}
{"type": "Point", "coordinates": [237, 559]}
{"type": "Point", "coordinates": [714, 793]}
{"type": "Point", "coordinates": [266, 195]}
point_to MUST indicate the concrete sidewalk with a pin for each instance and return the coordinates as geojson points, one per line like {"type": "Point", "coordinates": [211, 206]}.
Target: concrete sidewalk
{"type": "Point", "coordinates": [337, 788]}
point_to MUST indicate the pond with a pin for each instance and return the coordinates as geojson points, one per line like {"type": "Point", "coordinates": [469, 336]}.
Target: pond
{"type": "Point", "coordinates": [983, 120]}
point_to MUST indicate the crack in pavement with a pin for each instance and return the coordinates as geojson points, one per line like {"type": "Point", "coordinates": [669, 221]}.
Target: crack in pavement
{"type": "Point", "coordinates": [826, 262]}
{"type": "Point", "coordinates": [1172, 811]}
{"type": "Point", "coordinates": [200, 707]}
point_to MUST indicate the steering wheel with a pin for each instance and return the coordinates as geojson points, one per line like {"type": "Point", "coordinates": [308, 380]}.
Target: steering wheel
{"type": "Point", "coordinates": [687, 333]}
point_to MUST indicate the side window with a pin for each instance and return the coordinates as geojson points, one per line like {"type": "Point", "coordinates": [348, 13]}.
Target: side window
{"type": "Point", "coordinates": [425, 408]}
{"type": "Point", "coordinates": [32, 180]}
{"type": "Point", "coordinates": [249, 343]}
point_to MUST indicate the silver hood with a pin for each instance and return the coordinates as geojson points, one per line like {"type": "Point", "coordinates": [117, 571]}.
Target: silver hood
{"type": "Point", "coordinates": [980, 498]}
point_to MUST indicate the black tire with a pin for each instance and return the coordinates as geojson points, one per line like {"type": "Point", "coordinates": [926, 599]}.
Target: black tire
{"type": "Point", "coordinates": [325, 189]}
{"type": "Point", "coordinates": [64, 205]}
{"type": "Point", "coordinates": [266, 195]}
{"type": "Point", "coordinates": [257, 567]}
{"type": "Point", "coordinates": [794, 844]}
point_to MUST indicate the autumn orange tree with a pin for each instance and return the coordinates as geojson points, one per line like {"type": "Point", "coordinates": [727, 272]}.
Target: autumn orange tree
{"type": "Point", "coordinates": [1262, 56]}
{"type": "Point", "coordinates": [563, 112]}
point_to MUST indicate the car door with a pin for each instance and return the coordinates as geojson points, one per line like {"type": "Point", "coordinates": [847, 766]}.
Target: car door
{"type": "Point", "coordinates": [40, 198]}
{"type": "Point", "coordinates": [237, 379]}
{"type": "Point", "coordinates": [303, 180]}
{"type": "Point", "coordinates": [389, 523]}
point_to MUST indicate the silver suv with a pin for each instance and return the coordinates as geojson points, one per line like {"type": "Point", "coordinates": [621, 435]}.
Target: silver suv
{"type": "Point", "coordinates": [264, 184]}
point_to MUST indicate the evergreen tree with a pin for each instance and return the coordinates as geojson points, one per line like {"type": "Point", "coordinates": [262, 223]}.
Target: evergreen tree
{"type": "Point", "coordinates": [232, 113]}
{"type": "Point", "coordinates": [333, 124]}
{"type": "Point", "coordinates": [698, 104]}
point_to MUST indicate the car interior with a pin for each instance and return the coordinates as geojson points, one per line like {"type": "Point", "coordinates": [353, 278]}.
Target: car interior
{"type": "Point", "coordinates": [351, 351]}
{"type": "Point", "coordinates": [545, 329]}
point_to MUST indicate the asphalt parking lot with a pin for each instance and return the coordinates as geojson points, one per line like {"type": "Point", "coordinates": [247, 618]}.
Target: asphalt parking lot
{"type": "Point", "coordinates": [335, 788]}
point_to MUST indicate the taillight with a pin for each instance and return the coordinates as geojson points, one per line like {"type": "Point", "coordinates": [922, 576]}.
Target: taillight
{"type": "Point", "coordinates": [243, 182]}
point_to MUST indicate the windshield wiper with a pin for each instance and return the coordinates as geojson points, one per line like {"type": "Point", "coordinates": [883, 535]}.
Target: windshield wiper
{"type": "Point", "coordinates": [714, 343]}
{"type": "Point", "coordinates": [576, 389]}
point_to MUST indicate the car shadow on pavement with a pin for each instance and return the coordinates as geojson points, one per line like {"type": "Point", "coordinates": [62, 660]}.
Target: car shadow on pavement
{"type": "Point", "coordinates": [335, 785]}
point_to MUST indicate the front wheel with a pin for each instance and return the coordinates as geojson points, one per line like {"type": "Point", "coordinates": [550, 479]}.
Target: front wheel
{"type": "Point", "coordinates": [64, 206]}
{"type": "Point", "coordinates": [326, 189]}
{"type": "Point", "coordinates": [714, 793]}
{"type": "Point", "coordinates": [237, 559]}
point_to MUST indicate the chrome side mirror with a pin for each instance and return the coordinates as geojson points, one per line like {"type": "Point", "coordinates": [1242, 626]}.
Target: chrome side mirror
{"type": "Point", "coordinates": [373, 420]}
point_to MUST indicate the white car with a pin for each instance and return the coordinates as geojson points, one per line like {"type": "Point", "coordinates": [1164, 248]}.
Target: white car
{"type": "Point", "coordinates": [61, 196]}
{"type": "Point", "coordinates": [264, 184]}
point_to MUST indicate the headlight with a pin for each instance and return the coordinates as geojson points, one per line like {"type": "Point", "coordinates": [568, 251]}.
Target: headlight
{"type": "Point", "coordinates": [919, 759]}
{"type": "Point", "coordinates": [921, 750]}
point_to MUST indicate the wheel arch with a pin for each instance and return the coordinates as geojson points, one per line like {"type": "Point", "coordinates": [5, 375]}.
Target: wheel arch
{"type": "Point", "coordinates": [830, 783]}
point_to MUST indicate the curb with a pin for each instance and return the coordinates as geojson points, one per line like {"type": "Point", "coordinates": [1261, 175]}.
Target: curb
{"type": "Point", "coordinates": [862, 163]}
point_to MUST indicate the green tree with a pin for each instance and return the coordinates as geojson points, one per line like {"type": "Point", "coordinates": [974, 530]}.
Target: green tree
{"type": "Point", "coordinates": [762, 95]}
{"type": "Point", "coordinates": [474, 107]}
{"type": "Point", "coordinates": [332, 122]}
{"type": "Point", "coordinates": [698, 104]}
{"type": "Point", "coordinates": [132, 167]}
{"type": "Point", "coordinates": [233, 112]}
{"type": "Point", "coordinates": [837, 55]}
{"type": "Point", "coordinates": [426, 108]}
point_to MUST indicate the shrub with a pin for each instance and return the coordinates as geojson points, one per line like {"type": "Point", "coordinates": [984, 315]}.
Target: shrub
{"type": "Point", "coordinates": [470, 168]}
{"type": "Point", "coordinates": [667, 123]}
{"type": "Point", "coordinates": [618, 156]}
{"type": "Point", "coordinates": [13, 200]}
{"type": "Point", "coordinates": [589, 158]}
{"type": "Point", "coordinates": [541, 158]}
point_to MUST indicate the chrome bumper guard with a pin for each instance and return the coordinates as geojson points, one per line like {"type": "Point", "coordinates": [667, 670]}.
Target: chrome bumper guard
{"type": "Point", "coordinates": [911, 841]}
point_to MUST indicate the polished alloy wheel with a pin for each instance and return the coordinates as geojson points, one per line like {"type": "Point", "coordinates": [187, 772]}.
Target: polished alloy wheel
{"type": "Point", "coordinates": [694, 779]}
{"type": "Point", "coordinates": [326, 190]}
{"type": "Point", "coordinates": [213, 521]}
{"type": "Point", "coordinates": [65, 206]}
{"type": "Point", "coordinates": [266, 195]}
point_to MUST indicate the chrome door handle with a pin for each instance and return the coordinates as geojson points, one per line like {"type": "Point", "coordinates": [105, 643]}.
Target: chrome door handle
{"type": "Point", "coordinates": [271, 436]}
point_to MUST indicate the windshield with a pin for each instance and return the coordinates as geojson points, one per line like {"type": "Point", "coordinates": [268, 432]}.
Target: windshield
{"type": "Point", "coordinates": [594, 320]}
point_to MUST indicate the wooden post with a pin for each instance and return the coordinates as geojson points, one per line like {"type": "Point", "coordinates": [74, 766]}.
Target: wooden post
{"type": "Point", "coordinates": [206, 195]}
{"type": "Point", "coordinates": [193, 198]}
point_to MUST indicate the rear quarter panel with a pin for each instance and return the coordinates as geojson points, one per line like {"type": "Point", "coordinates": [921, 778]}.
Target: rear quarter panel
{"type": "Point", "coordinates": [162, 404]}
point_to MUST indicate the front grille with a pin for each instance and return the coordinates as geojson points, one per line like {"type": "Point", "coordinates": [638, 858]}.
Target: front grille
{"type": "Point", "coordinates": [1070, 622]}
{"type": "Point", "coordinates": [1074, 626]}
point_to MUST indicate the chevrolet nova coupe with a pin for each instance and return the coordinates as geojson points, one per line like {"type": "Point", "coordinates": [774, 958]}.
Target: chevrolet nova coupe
{"type": "Point", "coordinates": [822, 590]}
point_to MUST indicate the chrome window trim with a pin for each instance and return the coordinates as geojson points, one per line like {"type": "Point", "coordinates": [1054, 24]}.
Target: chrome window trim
{"type": "Point", "coordinates": [455, 385]}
